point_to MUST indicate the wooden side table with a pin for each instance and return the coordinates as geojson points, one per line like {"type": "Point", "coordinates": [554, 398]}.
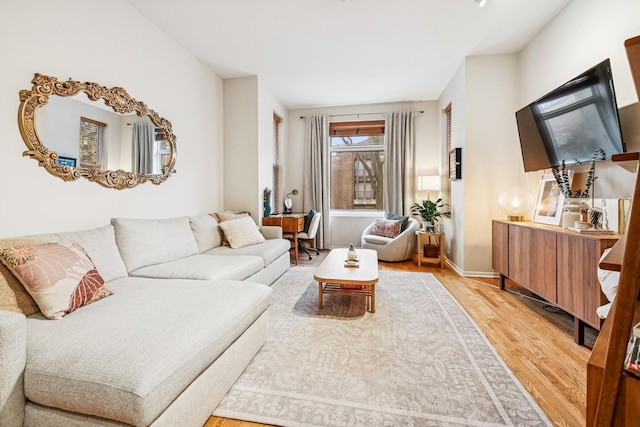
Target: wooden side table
{"type": "Point", "coordinates": [425, 238]}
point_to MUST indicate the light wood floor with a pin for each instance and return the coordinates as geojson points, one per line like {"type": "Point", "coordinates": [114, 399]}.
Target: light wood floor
{"type": "Point", "coordinates": [535, 342]}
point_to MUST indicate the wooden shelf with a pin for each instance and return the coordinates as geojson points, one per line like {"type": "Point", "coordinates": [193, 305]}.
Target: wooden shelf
{"type": "Point", "coordinates": [625, 157]}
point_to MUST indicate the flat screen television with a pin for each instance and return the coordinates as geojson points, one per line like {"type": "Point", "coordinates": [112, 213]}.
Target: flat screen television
{"type": "Point", "coordinates": [571, 122]}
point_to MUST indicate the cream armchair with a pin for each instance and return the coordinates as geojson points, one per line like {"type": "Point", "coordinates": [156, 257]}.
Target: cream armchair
{"type": "Point", "coordinates": [400, 248]}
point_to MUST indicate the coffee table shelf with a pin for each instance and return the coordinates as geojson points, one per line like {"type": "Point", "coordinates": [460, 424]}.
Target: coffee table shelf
{"type": "Point", "coordinates": [334, 278]}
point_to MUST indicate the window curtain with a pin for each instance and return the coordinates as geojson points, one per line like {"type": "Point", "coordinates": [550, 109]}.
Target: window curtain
{"type": "Point", "coordinates": [144, 157]}
{"type": "Point", "coordinates": [317, 175]}
{"type": "Point", "coordinates": [399, 163]}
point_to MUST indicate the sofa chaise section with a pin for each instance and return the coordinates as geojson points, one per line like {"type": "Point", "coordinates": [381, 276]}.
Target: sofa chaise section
{"type": "Point", "coordinates": [106, 361]}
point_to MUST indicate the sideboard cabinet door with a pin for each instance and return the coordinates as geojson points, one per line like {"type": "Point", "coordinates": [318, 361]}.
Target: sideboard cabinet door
{"type": "Point", "coordinates": [532, 260]}
{"type": "Point", "coordinates": [578, 288]}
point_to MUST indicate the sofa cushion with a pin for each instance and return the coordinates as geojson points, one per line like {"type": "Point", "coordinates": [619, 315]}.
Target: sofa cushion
{"type": "Point", "coordinates": [128, 358]}
{"type": "Point", "coordinates": [206, 231]}
{"type": "Point", "coordinates": [144, 242]}
{"type": "Point", "coordinates": [269, 251]}
{"type": "Point", "coordinates": [204, 267]}
{"type": "Point", "coordinates": [376, 240]}
{"type": "Point", "coordinates": [100, 245]}
{"type": "Point", "coordinates": [241, 232]}
{"type": "Point", "coordinates": [59, 276]}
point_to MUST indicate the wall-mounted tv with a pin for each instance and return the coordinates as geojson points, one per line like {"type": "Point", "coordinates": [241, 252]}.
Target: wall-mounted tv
{"type": "Point", "coordinates": [571, 122]}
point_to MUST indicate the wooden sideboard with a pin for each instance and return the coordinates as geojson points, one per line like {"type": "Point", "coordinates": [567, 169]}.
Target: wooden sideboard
{"type": "Point", "coordinates": [556, 264]}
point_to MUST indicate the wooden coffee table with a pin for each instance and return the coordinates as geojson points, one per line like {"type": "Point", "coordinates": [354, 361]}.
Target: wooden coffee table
{"type": "Point", "coordinates": [334, 278]}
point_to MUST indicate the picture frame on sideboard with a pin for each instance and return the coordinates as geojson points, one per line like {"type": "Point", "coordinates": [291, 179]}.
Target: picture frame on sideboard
{"type": "Point", "coordinates": [549, 202]}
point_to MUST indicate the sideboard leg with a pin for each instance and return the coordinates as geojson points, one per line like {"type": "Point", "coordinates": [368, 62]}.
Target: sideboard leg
{"type": "Point", "coordinates": [578, 331]}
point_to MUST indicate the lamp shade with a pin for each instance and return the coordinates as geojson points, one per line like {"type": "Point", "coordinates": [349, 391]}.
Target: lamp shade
{"type": "Point", "coordinates": [429, 183]}
{"type": "Point", "coordinates": [516, 203]}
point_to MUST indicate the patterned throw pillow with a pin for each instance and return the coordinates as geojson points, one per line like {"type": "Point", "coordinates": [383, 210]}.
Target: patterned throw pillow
{"type": "Point", "coordinates": [242, 232]}
{"type": "Point", "coordinates": [405, 220]}
{"type": "Point", "coordinates": [59, 276]}
{"type": "Point", "coordinates": [387, 227]}
{"type": "Point", "coordinates": [13, 296]}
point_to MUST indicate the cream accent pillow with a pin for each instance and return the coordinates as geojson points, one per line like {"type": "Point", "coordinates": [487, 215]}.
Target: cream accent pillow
{"type": "Point", "coordinates": [59, 276]}
{"type": "Point", "coordinates": [227, 216]}
{"type": "Point", "coordinates": [241, 232]}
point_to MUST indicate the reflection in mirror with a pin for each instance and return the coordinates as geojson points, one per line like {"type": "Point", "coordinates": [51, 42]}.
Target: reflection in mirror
{"type": "Point", "coordinates": [118, 143]}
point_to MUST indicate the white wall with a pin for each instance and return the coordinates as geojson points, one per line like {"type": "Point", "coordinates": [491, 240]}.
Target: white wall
{"type": "Point", "coordinates": [486, 92]}
{"type": "Point", "coordinates": [482, 95]}
{"type": "Point", "coordinates": [454, 94]}
{"type": "Point", "coordinates": [249, 105]}
{"type": "Point", "coordinates": [240, 144]}
{"type": "Point", "coordinates": [347, 227]}
{"type": "Point", "coordinates": [585, 33]}
{"type": "Point", "coordinates": [56, 38]}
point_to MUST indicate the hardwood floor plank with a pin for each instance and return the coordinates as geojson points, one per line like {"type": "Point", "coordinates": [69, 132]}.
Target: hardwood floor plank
{"type": "Point", "coordinates": [535, 342]}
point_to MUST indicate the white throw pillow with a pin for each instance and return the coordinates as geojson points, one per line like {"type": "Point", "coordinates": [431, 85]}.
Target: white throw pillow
{"type": "Point", "coordinates": [608, 280]}
{"type": "Point", "coordinates": [59, 276]}
{"type": "Point", "coordinates": [241, 232]}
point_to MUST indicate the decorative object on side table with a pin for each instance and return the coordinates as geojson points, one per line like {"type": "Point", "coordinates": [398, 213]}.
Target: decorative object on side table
{"type": "Point", "coordinates": [267, 201]}
{"type": "Point", "coordinates": [429, 212]}
{"type": "Point", "coordinates": [574, 198]}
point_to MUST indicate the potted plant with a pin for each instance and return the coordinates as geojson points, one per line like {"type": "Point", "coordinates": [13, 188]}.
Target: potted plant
{"type": "Point", "coordinates": [429, 212]}
{"type": "Point", "coordinates": [563, 178]}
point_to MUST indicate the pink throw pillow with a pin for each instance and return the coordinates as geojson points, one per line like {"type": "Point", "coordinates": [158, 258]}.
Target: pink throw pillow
{"type": "Point", "coordinates": [387, 228]}
{"type": "Point", "coordinates": [60, 277]}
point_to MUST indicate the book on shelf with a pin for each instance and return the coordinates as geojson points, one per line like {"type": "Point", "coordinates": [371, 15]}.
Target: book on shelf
{"type": "Point", "coordinates": [351, 287]}
{"type": "Point", "coordinates": [632, 359]}
{"type": "Point", "coordinates": [591, 231]}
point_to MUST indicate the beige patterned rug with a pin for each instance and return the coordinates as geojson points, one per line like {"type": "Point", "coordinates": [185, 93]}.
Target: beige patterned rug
{"type": "Point", "coordinates": [419, 360]}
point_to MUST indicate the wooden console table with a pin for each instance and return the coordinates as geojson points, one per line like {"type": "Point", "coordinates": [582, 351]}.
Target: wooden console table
{"type": "Point", "coordinates": [291, 223]}
{"type": "Point", "coordinates": [554, 263]}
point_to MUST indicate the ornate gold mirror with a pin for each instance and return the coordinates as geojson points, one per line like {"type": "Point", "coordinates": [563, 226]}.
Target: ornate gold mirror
{"type": "Point", "coordinates": [119, 143]}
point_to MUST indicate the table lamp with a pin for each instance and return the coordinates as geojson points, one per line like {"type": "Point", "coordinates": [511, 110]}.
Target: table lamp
{"type": "Point", "coordinates": [515, 202]}
{"type": "Point", "coordinates": [288, 203]}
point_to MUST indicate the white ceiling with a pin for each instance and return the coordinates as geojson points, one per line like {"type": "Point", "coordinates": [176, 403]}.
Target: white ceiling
{"type": "Point", "coordinates": [314, 53]}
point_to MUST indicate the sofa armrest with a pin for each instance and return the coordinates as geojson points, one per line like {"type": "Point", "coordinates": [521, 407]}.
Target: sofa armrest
{"type": "Point", "coordinates": [271, 231]}
{"type": "Point", "coordinates": [13, 353]}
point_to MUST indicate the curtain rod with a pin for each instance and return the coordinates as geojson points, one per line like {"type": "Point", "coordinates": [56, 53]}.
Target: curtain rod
{"type": "Point", "coordinates": [359, 114]}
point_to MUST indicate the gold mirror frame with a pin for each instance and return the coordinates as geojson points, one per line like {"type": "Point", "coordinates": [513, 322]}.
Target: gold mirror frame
{"type": "Point", "coordinates": [118, 99]}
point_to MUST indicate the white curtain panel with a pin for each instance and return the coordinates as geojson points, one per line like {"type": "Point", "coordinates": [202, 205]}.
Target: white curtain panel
{"type": "Point", "coordinates": [144, 153]}
{"type": "Point", "coordinates": [399, 164]}
{"type": "Point", "coordinates": [317, 178]}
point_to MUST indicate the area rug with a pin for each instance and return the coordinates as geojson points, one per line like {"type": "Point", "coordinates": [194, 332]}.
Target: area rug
{"type": "Point", "coordinates": [419, 360]}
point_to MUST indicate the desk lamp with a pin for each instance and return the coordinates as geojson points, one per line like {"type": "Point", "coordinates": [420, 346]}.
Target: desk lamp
{"type": "Point", "coordinates": [288, 203]}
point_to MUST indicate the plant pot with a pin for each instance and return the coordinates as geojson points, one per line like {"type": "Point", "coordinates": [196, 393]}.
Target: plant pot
{"type": "Point", "coordinates": [571, 211]}
{"type": "Point", "coordinates": [428, 227]}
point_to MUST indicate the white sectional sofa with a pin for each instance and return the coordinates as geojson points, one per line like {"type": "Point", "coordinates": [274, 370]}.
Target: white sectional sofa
{"type": "Point", "coordinates": [186, 316]}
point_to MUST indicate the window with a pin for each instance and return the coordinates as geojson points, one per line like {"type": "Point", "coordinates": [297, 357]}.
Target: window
{"type": "Point", "coordinates": [357, 161]}
{"type": "Point", "coordinates": [277, 173]}
{"type": "Point", "coordinates": [92, 143]}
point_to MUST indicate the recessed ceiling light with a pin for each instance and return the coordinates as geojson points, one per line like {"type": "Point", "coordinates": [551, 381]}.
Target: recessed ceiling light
{"type": "Point", "coordinates": [480, 2]}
